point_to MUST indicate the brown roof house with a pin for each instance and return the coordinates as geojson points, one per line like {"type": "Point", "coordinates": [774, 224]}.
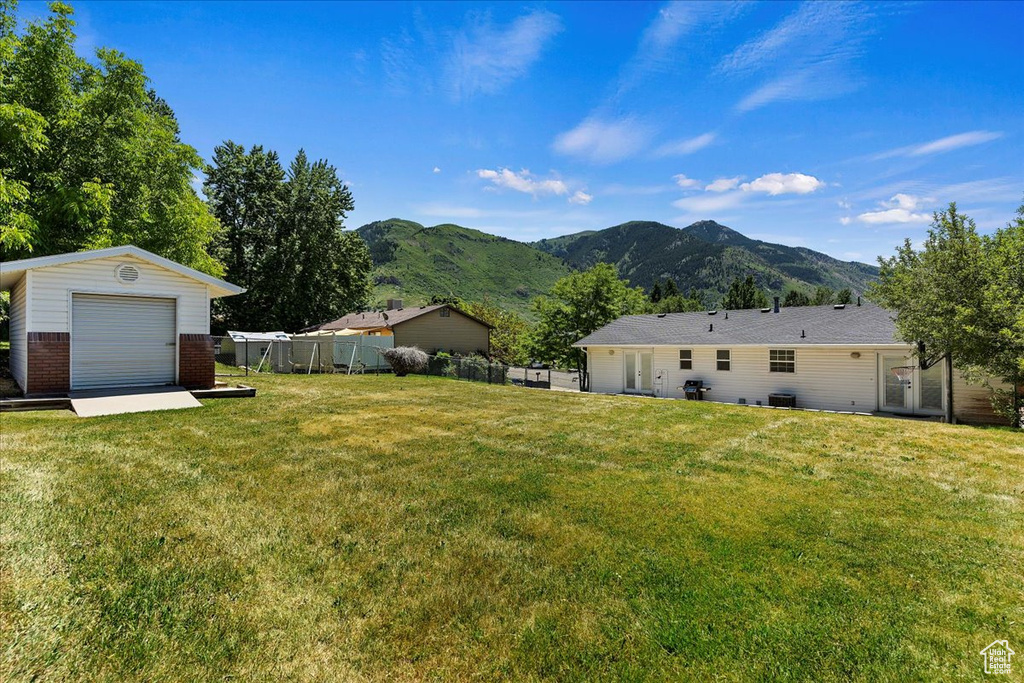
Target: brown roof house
{"type": "Point", "coordinates": [431, 328]}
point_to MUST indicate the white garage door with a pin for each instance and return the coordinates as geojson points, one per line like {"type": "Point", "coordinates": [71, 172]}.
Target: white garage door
{"type": "Point", "coordinates": [119, 341]}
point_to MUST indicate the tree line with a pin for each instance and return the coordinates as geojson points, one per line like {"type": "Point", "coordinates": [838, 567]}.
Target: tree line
{"type": "Point", "coordinates": [91, 157]}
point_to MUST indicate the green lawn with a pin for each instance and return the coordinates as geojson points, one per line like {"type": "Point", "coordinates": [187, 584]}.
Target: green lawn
{"type": "Point", "coordinates": [347, 528]}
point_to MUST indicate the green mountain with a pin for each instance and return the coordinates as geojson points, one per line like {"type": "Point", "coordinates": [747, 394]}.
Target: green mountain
{"type": "Point", "coordinates": [705, 256]}
{"type": "Point", "coordinates": [414, 263]}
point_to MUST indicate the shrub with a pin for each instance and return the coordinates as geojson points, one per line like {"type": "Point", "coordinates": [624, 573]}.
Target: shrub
{"type": "Point", "coordinates": [405, 359]}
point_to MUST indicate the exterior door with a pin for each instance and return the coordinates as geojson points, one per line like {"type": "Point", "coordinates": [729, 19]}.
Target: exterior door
{"type": "Point", "coordinates": [121, 341]}
{"type": "Point", "coordinates": [923, 395]}
{"type": "Point", "coordinates": [639, 370]}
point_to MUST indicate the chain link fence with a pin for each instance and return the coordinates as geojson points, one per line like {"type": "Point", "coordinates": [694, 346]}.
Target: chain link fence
{"type": "Point", "coordinates": [239, 356]}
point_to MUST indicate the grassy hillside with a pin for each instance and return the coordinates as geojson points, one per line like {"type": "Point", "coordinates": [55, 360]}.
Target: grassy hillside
{"type": "Point", "coordinates": [705, 256]}
{"type": "Point", "coordinates": [414, 262]}
{"type": "Point", "coordinates": [340, 528]}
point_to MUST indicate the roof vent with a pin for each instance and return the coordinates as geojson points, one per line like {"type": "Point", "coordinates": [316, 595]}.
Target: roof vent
{"type": "Point", "coordinates": [712, 312]}
{"type": "Point", "coordinates": [127, 274]}
{"type": "Point", "coordinates": [803, 334]}
{"type": "Point", "coordinates": [766, 310]}
{"type": "Point", "coordinates": [711, 327]}
{"type": "Point", "coordinates": [661, 315]}
{"type": "Point", "coordinates": [839, 307]}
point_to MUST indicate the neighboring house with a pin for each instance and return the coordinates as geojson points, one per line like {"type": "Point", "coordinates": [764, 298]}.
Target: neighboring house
{"type": "Point", "coordinates": [431, 328]}
{"type": "Point", "coordinates": [823, 357]}
{"type": "Point", "coordinates": [109, 318]}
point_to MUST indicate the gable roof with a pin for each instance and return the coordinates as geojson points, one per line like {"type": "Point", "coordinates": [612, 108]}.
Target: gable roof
{"type": "Point", "coordinates": [796, 326]}
{"type": "Point", "coordinates": [12, 271]}
{"type": "Point", "coordinates": [369, 320]}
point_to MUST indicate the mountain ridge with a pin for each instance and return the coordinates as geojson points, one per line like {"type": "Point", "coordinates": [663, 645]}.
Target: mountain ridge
{"type": "Point", "coordinates": [415, 262]}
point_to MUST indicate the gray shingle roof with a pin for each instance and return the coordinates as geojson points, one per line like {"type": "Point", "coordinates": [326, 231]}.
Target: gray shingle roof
{"type": "Point", "coordinates": [368, 320]}
{"type": "Point", "coordinates": [866, 324]}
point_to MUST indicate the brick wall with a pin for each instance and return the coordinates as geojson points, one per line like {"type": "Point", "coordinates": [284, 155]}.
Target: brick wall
{"type": "Point", "coordinates": [49, 363]}
{"type": "Point", "coordinates": [195, 361]}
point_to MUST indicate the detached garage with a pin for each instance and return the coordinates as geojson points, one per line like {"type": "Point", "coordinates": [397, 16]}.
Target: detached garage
{"type": "Point", "coordinates": [114, 317]}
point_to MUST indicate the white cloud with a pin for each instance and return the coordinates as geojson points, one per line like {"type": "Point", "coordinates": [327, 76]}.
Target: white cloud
{"type": "Point", "coordinates": [437, 169]}
{"type": "Point", "coordinates": [580, 197]}
{"type": "Point", "coordinates": [843, 204]}
{"type": "Point", "coordinates": [523, 182]}
{"type": "Point", "coordinates": [687, 146]}
{"type": "Point", "coordinates": [946, 144]}
{"type": "Point", "coordinates": [603, 142]}
{"type": "Point", "coordinates": [710, 203]}
{"type": "Point", "coordinates": [845, 220]}
{"type": "Point", "coordinates": [723, 184]}
{"type": "Point", "coordinates": [686, 183]}
{"type": "Point", "coordinates": [486, 59]}
{"type": "Point", "coordinates": [783, 183]}
{"type": "Point", "coordinates": [904, 201]}
{"type": "Point", "coordinates": [893, 216]}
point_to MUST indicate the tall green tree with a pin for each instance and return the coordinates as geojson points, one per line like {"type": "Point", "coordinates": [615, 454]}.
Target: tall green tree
{"type": "Point", "coordinates": [744, 294]}
{"type": "Point", "coordinates": [844, 296]}
{"type": "Point", "coordinates": [579, 304]}
{"type": "Point", "coordinates": [509, 334]}
{"type": "Point", "coordinates": [823, 296]}
{"type": "Point", "coordinates": [795, 298]}
{"type": "Point", "coordinates": [937, 294]}
{"type": "Point", "coordinates": [90, 156]}
{"type": "Point", "coordinates": [322, 271]}
{"type": "Point", "coordinates": [1001, 327]}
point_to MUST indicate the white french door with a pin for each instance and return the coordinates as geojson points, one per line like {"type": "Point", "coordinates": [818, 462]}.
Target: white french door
{"type": "Point", "coordinates": [923, 395]}
{"type": "Point", "coordinates": [639, 372]}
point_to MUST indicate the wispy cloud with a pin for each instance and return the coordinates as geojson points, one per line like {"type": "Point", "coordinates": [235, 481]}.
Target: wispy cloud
{"type": "Point", "coordinates": [723, 184]}
{"type": "Point", "coordinates": [523, 181]}
{"type": "Point", "coordinates": [658, 49]}
{"type": "Point", "coordinates": [686, 183]}
{"type": "Point", "coordinates": [580, 197]}
{"type": "Point", "coordinates": [946, 144]}
{"type": "Point", "coordinates": [806, 56]}
{"type": "Point", "coordinates": [604, 141]}
{"type": "Point", "coordinates": [783, 183]}
{"type": "Point", "coordinates": [485, 58]}
{"type": "Point", "coordinates": [686, 146]}
{"type": "Point", "coordinates": [706, 204]}
{"type": "Point", "coordinates": [437, 169]}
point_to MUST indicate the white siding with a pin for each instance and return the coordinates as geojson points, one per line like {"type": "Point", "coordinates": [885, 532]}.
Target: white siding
{"type": "Point", "coordinates": [826, 378]}
{"type": "Point", "coordinates": [51, 288]}
{"type": "Point", "coordinates": [19, 338]}
{"type": "Point", "coordinates": [973, 402]}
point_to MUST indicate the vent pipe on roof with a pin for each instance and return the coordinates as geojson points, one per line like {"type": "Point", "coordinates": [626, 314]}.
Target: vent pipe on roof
{"type": "Point", "coordinates": [803, 334]}
{"type": "Point", "coordinates": [711, 327]}
{"type": "Point", "coordinates": [776, 304]}
{"type": "Point", "coordinates": [858, 299]}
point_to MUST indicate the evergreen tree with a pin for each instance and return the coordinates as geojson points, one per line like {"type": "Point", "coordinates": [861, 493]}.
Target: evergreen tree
{"type": "Point", "coordinates": [670, 287]}
{"type": "Point", "coordinates": [656, 292]}
{"type": "Point", "coordinates": [795, 298]}
{"type": "Point", "coordinates": [823, 296]}
{"type": "Point", "coordinates": [845, 296]}
{"type": "Point", "coordinates": [744, 294]}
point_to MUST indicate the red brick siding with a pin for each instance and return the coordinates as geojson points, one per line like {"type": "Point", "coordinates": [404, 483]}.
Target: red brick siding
{"type": "Point", "coordinates": [49, 363]}
{"type": "Point", "coordinates": [195, 361]}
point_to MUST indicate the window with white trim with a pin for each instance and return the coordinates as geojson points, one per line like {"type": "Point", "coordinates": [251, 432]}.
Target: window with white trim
{"type": "Point", "coordinates": [782, 360]}
{"type": "Point", "coordinates": [723, 359]}
{"type": "Point", "coordinates": [686, 359]}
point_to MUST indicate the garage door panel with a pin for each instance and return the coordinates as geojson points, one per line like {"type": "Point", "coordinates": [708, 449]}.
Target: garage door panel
{"type": "Point", "coordinates": [122, 341]}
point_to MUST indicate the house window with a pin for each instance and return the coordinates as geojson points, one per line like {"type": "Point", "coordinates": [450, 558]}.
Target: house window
{"type": "Point", "coordinates": [686, 359]}
{"type": "Point", "coordinates": [724, 359]}
{"type": "Point", "coordinates": [781, 360]}
{"type": "Point", "coordinates": [445, 313]}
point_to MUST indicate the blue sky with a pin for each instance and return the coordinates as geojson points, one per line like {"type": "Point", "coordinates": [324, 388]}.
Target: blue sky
{"type": "Point", "coordinates": [837, 126]}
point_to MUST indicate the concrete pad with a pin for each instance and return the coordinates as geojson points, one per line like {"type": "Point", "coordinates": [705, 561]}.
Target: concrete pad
{"type": "Point", "coordinates": [130, 400]}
